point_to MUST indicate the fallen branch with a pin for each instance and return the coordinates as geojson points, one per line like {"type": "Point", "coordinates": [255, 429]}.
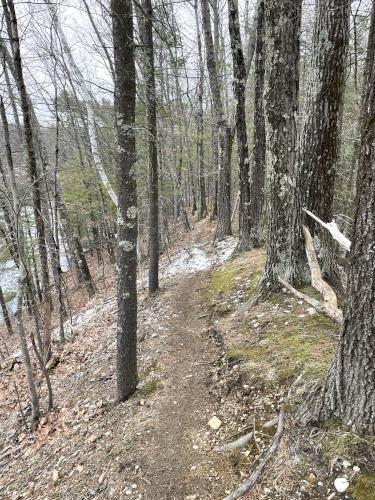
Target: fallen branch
{"type": "Point", "coordinates": [235, 445]}
{"type": "Point", "coordinates": [249, 483]}
{"type": "Point", "coordinates": [334, 314]}
{"type": "Point", "coordinates": [10, 452]}
{"type": "Point", "coordinates": [317, 281]}
{"type": "Point", "coordinates": [333, 229]}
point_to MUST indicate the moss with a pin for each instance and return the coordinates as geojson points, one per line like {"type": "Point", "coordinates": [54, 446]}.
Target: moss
{"type": "Point", "coordinates": [149, 387]}
{"type": "Point", "coordinates": [364, 488]}
{"type": "Point", "coordinates": [8, 296]}
{"type": "Point", "coordinates": [146, 372]}
{"type": "Point", "coordinates": [232, 278]}
{"type": "Point", "coordinates": [291, 344]}
{"type": "Point", "coordinates": [338, 442]}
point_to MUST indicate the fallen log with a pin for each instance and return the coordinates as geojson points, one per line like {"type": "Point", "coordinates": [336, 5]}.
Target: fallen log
{"type": "Point", "coordinates": [317, 281]}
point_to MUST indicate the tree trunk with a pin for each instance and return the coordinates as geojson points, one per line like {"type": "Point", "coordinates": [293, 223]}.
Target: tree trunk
{"type": "Point", "coordinates": [258, 167]}
{"type": "Point", "coordinates": [127, 198]}
{"type": "Point", "coordinates": [225, 134]}
{"type": "Point", "coordinates": [282, 28]}
{"type": "Point", "coordinates": [202, 206]}
{"type": "Point", "coordinates": [146, 26]}
{"type": "Point", "coordinates": [239, 86]}
{"type": "Point", "coordinates": [349, 392]}
{"type": "Point", "coordinates": [321, 131]}
{"type": "Point", "coordinates": [8, 7]}
{"type": "Point", "coordinates": [5, 312]}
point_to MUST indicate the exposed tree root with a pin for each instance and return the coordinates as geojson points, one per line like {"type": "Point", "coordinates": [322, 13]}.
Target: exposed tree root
{"type": "Point", "coordinates": [255, 475]}
{"type": "Point", "coordinates": [237, 444]}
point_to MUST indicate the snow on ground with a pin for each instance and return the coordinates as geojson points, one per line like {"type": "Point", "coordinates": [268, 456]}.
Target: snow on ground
{"type": "Point", "coordinates": [194, 259]}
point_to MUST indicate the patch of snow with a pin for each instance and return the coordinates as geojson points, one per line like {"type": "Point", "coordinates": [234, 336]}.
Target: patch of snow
{"type": "Point", "coordinates": [189, 261]}
{"type": "Point", "coordinates": [195, 258]}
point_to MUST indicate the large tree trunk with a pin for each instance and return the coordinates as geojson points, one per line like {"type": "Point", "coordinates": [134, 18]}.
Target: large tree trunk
{"type": "Point", "coordinates": [282, 28]}
{"type": "Point", "coordinates": [321, 132]}
{"type": "Point", "coordinates": [258, 166]}
{"type": "Point", "coordinates": [239, 86]}
{"type": "Point", "coordinates": [225, 133]}
{"type": "Point", "coordinates": [127, 227]}
{"type": "Point", "coordinates": [349, 392]}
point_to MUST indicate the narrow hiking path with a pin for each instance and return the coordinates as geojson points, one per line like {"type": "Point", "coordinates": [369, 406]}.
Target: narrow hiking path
{"type": "Point", "coordinates": [177, 458]}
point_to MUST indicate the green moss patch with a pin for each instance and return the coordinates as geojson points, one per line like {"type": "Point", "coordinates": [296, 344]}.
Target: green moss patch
{"type": "Point", "coordinates": [149, 387]}
{"type": "Point", "coordinates": [234, 282]}
{"type": "Point", "coordinates": [339, 442]}
{"type": "Point", "coordinates": [364, 488]}
{"type": "Point", "coordinates": [286, 345]}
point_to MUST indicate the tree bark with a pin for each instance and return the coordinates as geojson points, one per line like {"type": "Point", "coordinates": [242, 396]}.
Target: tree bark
{"type": "Point", "coordinates": [349, 392]}
{"type": "Point", "coordinates": [258, 165]}
{"type": "Point", "coordinates": [320, 139]}
{"type": "Point", "coordinates": [282, 28]}
{"type": "Point", "coordinates": [202, 205]}
{"type": "Point", "coordinates": [239, 87]}
{"type": "Point", "coordinates": [123, 40]}
{"type": "Point", "coordinates": [146, 26]}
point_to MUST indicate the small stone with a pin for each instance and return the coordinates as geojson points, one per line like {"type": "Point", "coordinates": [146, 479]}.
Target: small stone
{"type": "Point", "coordinates": [214, 423]}
{"type": "Point", "coordinates": [55, 475]}
{"type": "Point", "coordinates": [101, 478]}
{"type": "Point", "coordinates": [356, 468]}
{"type": "Point", "coordinates": [312, 477]}
{"type": "Point", "coordinates": [341, 484]}
{"type": "Point", "coordinates": [346, 464]}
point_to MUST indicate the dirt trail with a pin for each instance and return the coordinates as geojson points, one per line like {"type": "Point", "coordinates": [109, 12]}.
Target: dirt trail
{"type": "Point", "coordinates": [176, 455]}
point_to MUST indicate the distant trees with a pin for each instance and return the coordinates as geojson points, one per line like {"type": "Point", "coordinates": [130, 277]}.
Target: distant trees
{"type": "Point", "coordinates": [127, 211]}
{"type": "Point", "coordinates": [224, 227]}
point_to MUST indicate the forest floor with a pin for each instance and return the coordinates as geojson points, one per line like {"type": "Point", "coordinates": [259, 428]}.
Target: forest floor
{"type": "Point", "coordinates": [201, 363]}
